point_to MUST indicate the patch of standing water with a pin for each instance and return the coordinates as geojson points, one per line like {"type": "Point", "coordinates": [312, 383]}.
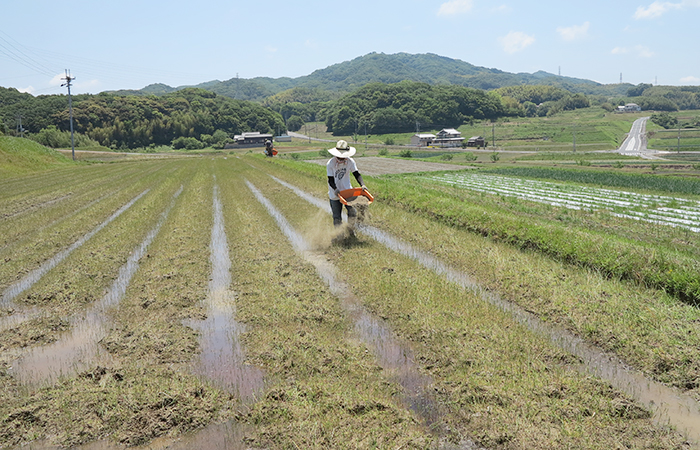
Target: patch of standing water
{"type": "Point", "coordinates": [222, 357]}
{"type": "Point", "coordinates": [669, 406]}
{"type": "Point", "coordinates": [219, 436]}
{"type": "Point", "coordinates": [80, 348]}
{"type": "Point", "coordinates": [394, 356]}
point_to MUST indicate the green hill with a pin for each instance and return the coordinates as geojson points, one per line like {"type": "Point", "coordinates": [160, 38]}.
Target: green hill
{"type": "Point", "coordinates": [21, 156]}
{"type": "Point", "coordinates": [428, 68]}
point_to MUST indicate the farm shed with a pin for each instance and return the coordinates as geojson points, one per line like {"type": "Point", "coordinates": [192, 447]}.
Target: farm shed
{"type": "Point", "coordinates": [251, 138]}
{"type": "Point", "coordinates": [422, 139]}
{"type": "Point", "coordinates": [476, 141]}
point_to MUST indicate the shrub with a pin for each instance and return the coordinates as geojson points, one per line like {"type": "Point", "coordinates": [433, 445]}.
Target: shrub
{"type": "Point", "coordinates": [383, 152]}
{"type": "Point", "coordinates": [406, 154]}
{"type": "Point", "coordinates": [469, 156]}
{"type": "Point", "coordinates": [187, 143]}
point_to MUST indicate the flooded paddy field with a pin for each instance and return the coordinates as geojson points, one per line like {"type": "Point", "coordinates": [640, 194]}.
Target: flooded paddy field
{"type": "Point", "coordinates": [210, 303]}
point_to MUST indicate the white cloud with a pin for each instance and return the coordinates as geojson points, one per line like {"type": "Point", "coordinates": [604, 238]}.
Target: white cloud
{"type": "Point", "coordinates": [454, 7]}
{"type": "Point", "coordinates": [87, 85]}
{"type": "Point", "coordinates": [503, 9]}
{"type": "Point", "coordinates": [270, 49]}
{"type": "Point", "coordinates": [516, 41]}
{"type": "Point", "coordinates": [57, 80]}
{"type": "Point", "coordinates": [639, 50]}
{"type": "Point", "coordinates": [657, 9]}
{"type": "Point", "coordinates": [644, 52]}
{"type": "Point", "coordinates": [27, 90]}
{"type": "Point", "coordinates": [574, 32]}
{"type": "Point", "coordinates": [310, 43]}
{"type": "Point", "coordinates": [690, 80]}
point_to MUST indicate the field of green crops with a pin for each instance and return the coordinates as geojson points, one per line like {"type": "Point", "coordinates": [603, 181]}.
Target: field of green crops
{"type": "Point", "coordinates": [208, 302]}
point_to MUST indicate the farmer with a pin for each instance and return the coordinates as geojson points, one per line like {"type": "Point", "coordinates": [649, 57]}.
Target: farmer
{"type": "Point", "coordinates": [269, 149]}
{"type": "Point", "coordinates": [338, 170]}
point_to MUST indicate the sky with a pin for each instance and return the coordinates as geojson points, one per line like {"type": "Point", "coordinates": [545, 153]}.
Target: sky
{"type": "Point", "coordinates": [133, 43]}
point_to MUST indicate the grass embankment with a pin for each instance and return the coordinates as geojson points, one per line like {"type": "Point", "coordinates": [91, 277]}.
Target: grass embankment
{"type": "Point", "coordinates": [496, 382]}
{"type": "Point", "coordinates": [19, 156]}
{"type": "Point", "coordinates": [582, 270]}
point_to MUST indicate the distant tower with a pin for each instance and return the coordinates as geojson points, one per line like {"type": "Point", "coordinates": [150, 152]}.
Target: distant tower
{"type": "Point", "coordinates": [620, 77]}
{"type": "Point", "coordinates": [559, 70]}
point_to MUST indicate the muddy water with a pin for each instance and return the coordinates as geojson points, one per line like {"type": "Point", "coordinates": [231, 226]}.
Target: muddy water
{"type": "Point", "coordinates": [28, 281]}
{"type": "Point", "coordinates": [668, 405]}
{"type": "Point", "coordinates": [222, 357]}
{"type": "Point", "coordinates": [79, 349]}
{"type": "Point", "coordinates": [221, 436]}
{"type": "Point", "coordinates": [395, 357]}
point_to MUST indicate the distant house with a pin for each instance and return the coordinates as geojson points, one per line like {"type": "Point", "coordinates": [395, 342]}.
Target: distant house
{"type": "Point", "coordinates": [422, 139]}
{"type": "Point", "coordinates": [630, 107]}
{"type": "Point", "coordinates": [448, 137]}
{"type": "Point", "coordinates": [252, 138]}
{"type": "Point", "coordinates": [476, 141]}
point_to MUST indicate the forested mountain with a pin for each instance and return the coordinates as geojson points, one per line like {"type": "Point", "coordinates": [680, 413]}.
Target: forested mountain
{"type": "Point", "coordinates": [428, 68]}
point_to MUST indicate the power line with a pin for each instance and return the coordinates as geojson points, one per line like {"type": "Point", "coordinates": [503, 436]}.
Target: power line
{"type": "Point", "coordinates": [17, 55]}
{"type": "Point", "coordinates": [68, 79]}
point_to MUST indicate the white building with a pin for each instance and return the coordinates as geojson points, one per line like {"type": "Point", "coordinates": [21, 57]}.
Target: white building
{"type": "Point", "coordinates": [448, 137]}
{"type": "Point", "coordinates": [422, 139]}
{"type": "Point", "coordinates": [630, 107]}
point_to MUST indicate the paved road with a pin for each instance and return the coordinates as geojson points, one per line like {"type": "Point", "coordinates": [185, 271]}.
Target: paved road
{"type": "Point", "coordinates": [636, 142]}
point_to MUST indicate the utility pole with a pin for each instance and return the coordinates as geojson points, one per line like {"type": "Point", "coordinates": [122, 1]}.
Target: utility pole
{"type": "Point", "coordinates": [365, 136]}
{"type": "Point", "coordinates": [20, 128]}
{"type": "Point", "coordinates": [68, 79]}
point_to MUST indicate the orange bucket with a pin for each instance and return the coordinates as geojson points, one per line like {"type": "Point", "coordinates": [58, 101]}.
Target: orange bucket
{"type": "Point", "coordinates": [349, 195]}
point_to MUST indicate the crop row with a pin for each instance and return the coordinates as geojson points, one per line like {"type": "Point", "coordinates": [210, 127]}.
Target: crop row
{"type": "Point", "coordinates": [494, 381]}
{"type": "Point", "coordinates": [606, 251]}
{"type": "Point", "coordinates": [658, 209]}
{"type": "Point", "coordinates": [633, 320]}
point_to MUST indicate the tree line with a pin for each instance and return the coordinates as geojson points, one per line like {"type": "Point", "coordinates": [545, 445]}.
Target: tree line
{"type": "Point", "coordinates": [379, 108]}
{"type": "Point", "coordinates": [191, 117]}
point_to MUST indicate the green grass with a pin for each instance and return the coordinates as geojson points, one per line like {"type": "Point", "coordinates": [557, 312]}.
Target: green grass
{"type": "Point", "coordinates": [20, 156]}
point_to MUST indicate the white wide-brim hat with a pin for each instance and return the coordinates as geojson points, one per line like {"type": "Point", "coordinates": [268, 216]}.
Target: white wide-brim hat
{"type": "Point", "coordinates": [342, 150]}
